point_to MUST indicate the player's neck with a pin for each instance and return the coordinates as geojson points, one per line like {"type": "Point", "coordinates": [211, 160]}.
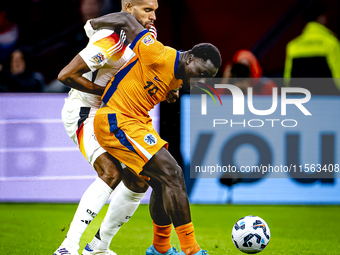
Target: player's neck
{"type": "Point", "coordinates": [180, 74]}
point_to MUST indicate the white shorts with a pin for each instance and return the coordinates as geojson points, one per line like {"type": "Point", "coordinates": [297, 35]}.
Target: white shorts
{"type": "Point", "coordinates": [78, 120]}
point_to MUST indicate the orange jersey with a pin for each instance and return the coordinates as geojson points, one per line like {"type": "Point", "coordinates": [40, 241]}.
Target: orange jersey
{"type": "Point", "coordinates": [145, 80]}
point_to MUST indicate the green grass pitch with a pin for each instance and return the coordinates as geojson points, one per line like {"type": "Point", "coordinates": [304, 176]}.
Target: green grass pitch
{"type": "Point", "coordinates": [40, 228]}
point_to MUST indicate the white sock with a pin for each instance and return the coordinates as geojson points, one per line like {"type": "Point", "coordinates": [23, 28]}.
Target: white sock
{"type": "Point", "coordinates": [122, 207]}
{"type": "Point", "coordinates": [89, 206]}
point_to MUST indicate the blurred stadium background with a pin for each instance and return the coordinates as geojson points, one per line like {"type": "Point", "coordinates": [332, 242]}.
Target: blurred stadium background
{"type": "Point", "coordinates": [39, 163]}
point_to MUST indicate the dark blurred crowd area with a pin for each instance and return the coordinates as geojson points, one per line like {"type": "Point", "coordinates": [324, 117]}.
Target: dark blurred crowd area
{"type": "Point", "coordinates": [39, 37]}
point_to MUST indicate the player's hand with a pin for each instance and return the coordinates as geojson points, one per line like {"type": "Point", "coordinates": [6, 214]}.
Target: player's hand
{"type": "Point", "coordinates": [172, 96]}
{"type": "Point", "coordinates": [153, 31]}
{"type": "Point", "coordinates": [89, 29]}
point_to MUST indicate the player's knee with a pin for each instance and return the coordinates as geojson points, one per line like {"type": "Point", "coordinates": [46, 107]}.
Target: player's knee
{"type": "Point", "coordinates": [138, 187]}
{"type": "Point", "coordinates": [111, 179]}
{"type": "Point", "coordinates": [174, 177]}
{"type": "Point", "coordinates": [108, 170]}
{"type": "Point", "coordinates": [133, 182]}
{"type": "Point", "coordinates": [164, 171]}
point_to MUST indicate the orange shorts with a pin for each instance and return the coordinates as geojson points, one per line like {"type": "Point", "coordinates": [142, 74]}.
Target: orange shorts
{"type": "Point", "coordinates": [133, 141]}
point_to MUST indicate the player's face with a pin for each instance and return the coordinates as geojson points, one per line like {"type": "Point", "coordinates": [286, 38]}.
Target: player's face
{"type": "Point", "coordinates": [144, 12]}
{"type": "Point", "coordinates": [198, 68]}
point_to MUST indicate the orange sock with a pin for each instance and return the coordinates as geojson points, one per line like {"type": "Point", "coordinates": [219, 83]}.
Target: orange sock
{"type": "Point", "coordinates": [161, 237]}
{"type": "Point", "coordinates": [186, 236]}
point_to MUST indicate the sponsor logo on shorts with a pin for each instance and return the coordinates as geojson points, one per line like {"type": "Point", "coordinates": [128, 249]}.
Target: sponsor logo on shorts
{"type": "Point", "coordinates": [150, 139]}
{"type": "Point", "coordinates": [147, 40]}
{"type": "Point", "coordinates": [98, 58]}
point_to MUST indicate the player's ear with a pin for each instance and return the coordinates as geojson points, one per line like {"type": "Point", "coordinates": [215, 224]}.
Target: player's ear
{"type": "Point", "coordinates": [190, 58]}
{"type": "Point", "coordinates": [129, 7]}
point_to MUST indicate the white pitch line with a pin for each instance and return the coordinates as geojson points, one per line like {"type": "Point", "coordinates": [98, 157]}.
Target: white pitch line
{"type": "Point", "coordinates": [38, 149]}
{"type": "Point", "coordinates": [46, 178]}
{"type": "Point", "coordinates": [29, 121]}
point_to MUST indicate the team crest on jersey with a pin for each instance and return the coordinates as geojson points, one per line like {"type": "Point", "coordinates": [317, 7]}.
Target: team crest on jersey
{"type": "Point", "coordinates": [150, 139]}
{"type": "Point", "coordinates": [98, 58]}
{"type": "Point", "coordinates": [147, 40]}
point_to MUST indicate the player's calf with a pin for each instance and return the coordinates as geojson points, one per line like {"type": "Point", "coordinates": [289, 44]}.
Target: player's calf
{"type": "Point", "coordinates": [166, 178]}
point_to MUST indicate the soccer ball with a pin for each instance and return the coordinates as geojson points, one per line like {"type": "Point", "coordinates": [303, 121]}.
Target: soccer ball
{"type": "Point", "coordinates": [250, 234]}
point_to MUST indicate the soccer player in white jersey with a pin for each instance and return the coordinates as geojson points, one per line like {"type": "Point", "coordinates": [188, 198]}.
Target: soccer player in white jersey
{"type": "Point", "coordinates": [94, 66]}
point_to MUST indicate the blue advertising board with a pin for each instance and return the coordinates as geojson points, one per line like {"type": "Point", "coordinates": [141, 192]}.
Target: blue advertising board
{"type": "Point", "coordinates": [38, 160]}
{"type": "Point", "coordinates": [281, 159]}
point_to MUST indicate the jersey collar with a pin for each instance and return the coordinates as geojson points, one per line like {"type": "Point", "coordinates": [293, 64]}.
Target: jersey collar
{"type": "Point", "coordinates": [176, 62]}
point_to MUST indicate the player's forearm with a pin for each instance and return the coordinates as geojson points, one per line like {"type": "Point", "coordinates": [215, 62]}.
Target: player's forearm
{"type": "Point", "coordinates": [121, 20]}
{"type": "Point", "coordinates": [72, 76]}
{"type": "Point", "coordinates": [82, 84]}
{"type": "Point", "coordinates": [75, 80]}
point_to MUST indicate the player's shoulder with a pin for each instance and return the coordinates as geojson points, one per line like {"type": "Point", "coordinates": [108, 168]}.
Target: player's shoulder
{"type": "Point", "coordinates": [100, 34]}
{"type": "Point", "coordinates": [167, 62]}
{"type": "Point", "coordinates": [170, 53]}
{"type": "Point", "coordinates": [170, 49]}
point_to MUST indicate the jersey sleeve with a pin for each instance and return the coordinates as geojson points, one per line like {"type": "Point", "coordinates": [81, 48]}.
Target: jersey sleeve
{"type": "Point", "coordinates": [103, 45]}
{"type": "Point", "coordinates": [146, 48]}
{"type": "Point", "coordinates": [153, 31]}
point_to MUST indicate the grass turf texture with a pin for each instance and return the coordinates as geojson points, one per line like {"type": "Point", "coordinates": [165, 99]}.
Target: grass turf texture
{"type": "Point", "coordinates": [40, 228]}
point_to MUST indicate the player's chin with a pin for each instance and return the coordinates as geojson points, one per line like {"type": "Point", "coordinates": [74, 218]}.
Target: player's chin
{"type": "Point", "coordinates": [148, 26]}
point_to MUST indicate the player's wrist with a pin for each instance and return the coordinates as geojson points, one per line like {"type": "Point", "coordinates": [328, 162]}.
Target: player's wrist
{"type": "Point", "coordinates": [89, 30]}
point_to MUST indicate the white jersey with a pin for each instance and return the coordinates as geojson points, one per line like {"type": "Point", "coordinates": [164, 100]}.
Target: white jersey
{"type": "Point", "coordinates": [105, 54]}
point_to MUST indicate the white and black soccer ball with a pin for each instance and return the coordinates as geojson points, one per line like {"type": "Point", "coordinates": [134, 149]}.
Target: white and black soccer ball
{"type": "Point", "coordinates": [250, 234]}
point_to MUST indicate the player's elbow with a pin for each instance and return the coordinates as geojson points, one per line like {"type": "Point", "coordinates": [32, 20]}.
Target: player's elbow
{"type": "Point", "coordinates": [63, 76]}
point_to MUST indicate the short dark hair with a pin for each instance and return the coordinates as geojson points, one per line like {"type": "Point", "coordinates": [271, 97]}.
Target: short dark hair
{"type": "Point", "coordinates": [314, 11]}
{"type": "Point", "coordinates": [207, 51]}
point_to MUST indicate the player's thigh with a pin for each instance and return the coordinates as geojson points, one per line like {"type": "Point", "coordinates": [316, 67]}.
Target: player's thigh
{"type": "Point", "coordinates": [164, 169]}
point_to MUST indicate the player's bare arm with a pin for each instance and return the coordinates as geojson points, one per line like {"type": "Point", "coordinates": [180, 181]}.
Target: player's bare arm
{"type": "Point", "coordinates": [121, 20]}
{"type": "Point", "coordinates": [71, 76]}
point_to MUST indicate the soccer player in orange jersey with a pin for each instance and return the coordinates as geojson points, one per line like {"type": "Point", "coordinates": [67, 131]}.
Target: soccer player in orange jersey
{"type": "Point", "coordinates": [124, 129]}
